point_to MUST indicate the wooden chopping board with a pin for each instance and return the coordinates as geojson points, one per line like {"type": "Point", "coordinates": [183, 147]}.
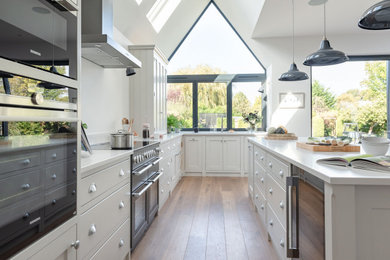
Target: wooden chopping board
{"type": "Point", "coordinates": [288, 136]}
{"type": "Point", "coordinates": [326, 148]}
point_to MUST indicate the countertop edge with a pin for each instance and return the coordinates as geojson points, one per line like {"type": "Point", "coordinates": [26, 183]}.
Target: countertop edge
{"type": "Point", "coordinates": [111, 157]}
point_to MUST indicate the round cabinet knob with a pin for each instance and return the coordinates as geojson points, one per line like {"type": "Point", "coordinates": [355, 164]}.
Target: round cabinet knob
{"type": "Point", "coordinates": [257, 196]}
{"type": "Point", "coordinates": [162, 191]}
{"type": "Point", "coordinates": [256, 154]}
{"type": "Point", "coordinates": [270, 190]}
{"type": "Point", "coordinates": [26, 215]}
{"type": "Point", "coordinates": [270, 165]}
{"type": "Point", "coordinates": [54, 155]}
{"type": "Point", "coordinates": [92, 188]}
{"type": "Point", "coordinates": [74, 170]}
{"type": "Point", "coordinates": [26, 186]}
{"type": "Point", "coordinates": [54, 176]}
{"type": "Point", "coordinates": [262, 158]}
{"type": "Point", "coordinates": [256, 173]}
{"type": "Point", "coordinates": [281, 173]}
{"type": "Point", "coordinates": [74, 151]}
{"type": "Point", "coordinates": [271, 222]}
{"type": "Point", "coordinates": [53, 202]}
{"type": "Point", "coordinates": [26, 162]}
{"type": "Point", "coordinates": [75, 244]}
{"type": "Point", "coordinates": [92, 230]}
{"type": "Point", "coordinates": [121, 172]}
{"type": "Point", "coordinates": [281, 243]}
{"type": "Point", "coordinates": [121, 243]}
{"type": "Point", "coordinates": [262, 180]}
{"type": "Point", "coordinates": [262, 206]}
{"type": "Point", "coordinates": [37, 98]}
{"type": "Point", "coordinates": [121, 205]}
{"type": "Point", "coordinates": [281, 205]}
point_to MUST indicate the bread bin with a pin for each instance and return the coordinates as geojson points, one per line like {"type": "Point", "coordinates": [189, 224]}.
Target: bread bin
{"type": "Point", "coordinates": [122, 140]}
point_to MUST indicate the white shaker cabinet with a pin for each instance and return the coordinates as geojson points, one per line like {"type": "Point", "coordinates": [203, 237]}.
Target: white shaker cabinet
{"type": "Point", "coordinates": [148, 90]}
{"type": "Point", "coordinates": [194, 153]}
{"type": "Point", "coordinates": [250, 171]}
{"type": "Point", "coordinates": [223, 154]}
{"type": "Point", "coordinates": [214, 153]}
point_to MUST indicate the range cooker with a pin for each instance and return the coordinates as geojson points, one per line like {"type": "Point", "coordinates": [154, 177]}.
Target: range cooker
{"type": "Point", "coordinates": [144, 188]}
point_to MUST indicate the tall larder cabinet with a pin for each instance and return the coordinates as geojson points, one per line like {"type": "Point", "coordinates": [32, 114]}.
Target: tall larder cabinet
{"type": "Point", "coordinates": [148, 89]}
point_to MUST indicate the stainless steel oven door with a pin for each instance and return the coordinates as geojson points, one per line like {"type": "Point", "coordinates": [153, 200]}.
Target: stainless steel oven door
{"type": "Point", "coordinates": [40, 33]}
{"type": "Point", "coordinates": [153, 195]}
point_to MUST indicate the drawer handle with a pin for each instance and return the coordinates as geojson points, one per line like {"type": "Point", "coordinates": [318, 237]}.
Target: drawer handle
{"type": "Point", "coordinates": [270, 165]}
{"type": "Point", "coordinates": [256, 173]}
{"type": "Point", "coordinates": [270, 190]}
{"type": "Point", "coordinates": [262, 180]}
{"type": "Point", "coordinates": [26, 215]}
{"type": "Point", "coordinates": [121, 173]}
{"type": "Point", "coordinates": [75, 244]}
{"type": "Point", "coordinates": [262, 206]}
{"type": "Point", "coordinates": [271, 222]}
{"type": "Point", "coordinates": [53, 202]}
{"type": "Point", "coordinates": [92, 230]}
{"type": "Point", "coordinates": [26, 162]}
{"type": "Point", "coordinates": [262, 158]}
{"type": "Point", "coordinates": [26, 186]}
{"type": "Point", "coordinates": [281, 243]}
{"type": "Point", "coordinates": [74, 151]}
{"type": "Point", "coordinates": [121, 243]}
{"type": "Point", "coordinates": [54, 155]}
{"type": "Point", "coordinates": [121, 205]}
{"type": "Point", "coordinates": [257, 196]}
{"type": "Point", "coordinates": [74, 170]}
{"type": "Point", "coordinates": [281, 173]}
{"type": "Point", "coordinates": [92, 188]}
{"type": "Point", "coordinates": [256, 154]}
{"type": "Point", "coordinates": [73, 192]}
{"type": "Point", "coordinates": [281, 205]}
{"type": "Point", "coordinates": [54, 176]}
{"type": "Point", "coordinates": [162, 191]}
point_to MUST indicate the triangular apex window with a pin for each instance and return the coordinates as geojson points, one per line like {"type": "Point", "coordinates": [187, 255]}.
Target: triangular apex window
{"type": "Point", "coordinates": [213, 47]}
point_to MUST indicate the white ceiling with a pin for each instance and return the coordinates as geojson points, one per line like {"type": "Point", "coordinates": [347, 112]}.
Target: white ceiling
{"type": "Point", "coordinates": [342, 17]}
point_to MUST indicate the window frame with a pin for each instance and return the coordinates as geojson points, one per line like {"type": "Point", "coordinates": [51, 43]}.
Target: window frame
{"type": "Point", "coordinates": [213, 78]}
{"type": "Point", "coordinates": [383, 57]}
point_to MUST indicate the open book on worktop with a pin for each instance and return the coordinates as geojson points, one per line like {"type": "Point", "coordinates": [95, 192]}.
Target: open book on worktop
{"type": "Point", "coordinates": [366, 162]}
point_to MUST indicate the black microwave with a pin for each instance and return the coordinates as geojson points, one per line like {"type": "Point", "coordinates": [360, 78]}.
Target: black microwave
{"type": "Point", "coordinates": [39, 33]}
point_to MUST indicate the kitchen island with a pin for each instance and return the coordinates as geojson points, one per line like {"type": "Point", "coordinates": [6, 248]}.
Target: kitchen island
{"type": "Point", "coordinates": [356, 203]}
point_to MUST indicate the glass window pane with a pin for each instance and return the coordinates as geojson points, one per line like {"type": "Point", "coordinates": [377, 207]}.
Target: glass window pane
{"type": "Point", "coordinates": [179, 105]}
{"type": "Point", "coordinates": [212, 105]}
{"type": "Point", "coordinates": [246, 99]}
{"type": "Point", "coordinates": [350, 98]}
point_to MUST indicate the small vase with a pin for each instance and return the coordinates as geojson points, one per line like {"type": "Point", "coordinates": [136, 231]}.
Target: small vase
{"type": "Point", "coordinates": [252, 128]}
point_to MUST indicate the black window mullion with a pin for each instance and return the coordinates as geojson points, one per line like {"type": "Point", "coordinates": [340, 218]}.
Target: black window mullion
{"type": "Point", "coordinates": [229, 104]}
{"type": "Point", "coordinates": [194, 104]}
{"type": "Point", "coordinates": [388, 98]}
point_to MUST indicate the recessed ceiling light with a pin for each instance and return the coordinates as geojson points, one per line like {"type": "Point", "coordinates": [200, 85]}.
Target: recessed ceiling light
{"type": "Point", "coordinates": [317, 2]}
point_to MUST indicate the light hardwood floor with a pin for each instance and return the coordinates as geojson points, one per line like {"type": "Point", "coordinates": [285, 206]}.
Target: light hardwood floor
{"type": "Point", "coordinates": [206, 218]}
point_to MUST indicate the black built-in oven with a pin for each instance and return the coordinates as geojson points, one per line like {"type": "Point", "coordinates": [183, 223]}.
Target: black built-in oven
{"type": "Point", "coordinates": [40, 33]}
{"type": "Point", "coordinates": [38, 159]}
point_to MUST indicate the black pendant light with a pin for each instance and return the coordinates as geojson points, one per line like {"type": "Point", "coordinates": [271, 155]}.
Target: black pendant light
{"type": "Point", "coordinates": [377, 17]}
{"type": "Point", "coordinates": [326, 55]}
{"type": "Point", "coordinates": [293, 74]}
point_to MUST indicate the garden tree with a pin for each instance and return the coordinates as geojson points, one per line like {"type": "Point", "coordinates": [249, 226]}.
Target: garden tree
{"type": "Point", "coordinates": [257, 106]}
{"type": "Point", "coordinates": [241, 104]}
{"type": "Point", "coordinates": [319, 90]}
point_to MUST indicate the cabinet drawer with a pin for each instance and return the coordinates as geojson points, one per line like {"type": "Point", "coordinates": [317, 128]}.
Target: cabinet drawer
{"type": "Point", "coordinates": [260, 204]}
{"type": "Point", "coordinates": [117, 246]}
{"type": "Point", "coordinates": [55, 154]}
{"type": "Point", "coordinates": [100, 221]}
{"type": "Point", "coordinates": [22, 161]}
{"type": "Point", "coordinates": [19, 186]}
{"type": "Point", "coordinates": [276, 197]}
{"type": "Point", "coordinates": [260, 156]}
{"type": "Point", "coordinates": [277, 233]}
{"type": "Point", "coordinates": [260, 177]}
{"type": "Point", "coordinates": [60, 198]}
{"type": "Point", "coordinates": [278, 168]}
{"type": "Point", "coordinates": [60, 173]}
{"type": "Point", "coordinates": [96, 184]}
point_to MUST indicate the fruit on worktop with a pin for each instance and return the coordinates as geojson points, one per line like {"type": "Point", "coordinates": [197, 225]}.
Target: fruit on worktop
{"type": "Point", "coordinates": [281, 130]}
{"type": "Point", "coordinates": [271, 130]}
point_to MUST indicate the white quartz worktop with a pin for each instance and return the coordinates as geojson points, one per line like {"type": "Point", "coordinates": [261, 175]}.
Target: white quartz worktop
{"type": "Point", "coordinates": [102, 157]}
{"type": "Point", "coordinates": [307, 160]}
{"type": "Point", "coordinates": [225, 133]}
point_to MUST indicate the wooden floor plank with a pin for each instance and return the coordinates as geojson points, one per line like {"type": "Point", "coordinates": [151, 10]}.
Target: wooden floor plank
{"type": "Point", "coordinates": [206, 218]}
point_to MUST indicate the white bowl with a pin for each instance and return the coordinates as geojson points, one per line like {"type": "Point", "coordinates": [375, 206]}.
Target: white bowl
{"type": "Point", "coordinates": [375, 145]}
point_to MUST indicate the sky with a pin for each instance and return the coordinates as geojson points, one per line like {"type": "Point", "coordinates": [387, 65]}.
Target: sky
{"type": "Point", "coordinates": [210, 42]}
{"type": "Point", "coordinates": [342, 77]}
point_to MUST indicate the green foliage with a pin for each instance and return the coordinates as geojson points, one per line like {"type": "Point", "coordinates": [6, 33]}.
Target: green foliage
{"type": "Point", "coordinates": [324, 93]}
{"type": "Point", "coordinates": [241, 104]}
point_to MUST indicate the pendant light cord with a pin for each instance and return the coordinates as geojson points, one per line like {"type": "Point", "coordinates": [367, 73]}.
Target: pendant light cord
{"type": "Point", "coordinates": [293, 30]}
{"type": "Point", "coordinates": [325, 20]}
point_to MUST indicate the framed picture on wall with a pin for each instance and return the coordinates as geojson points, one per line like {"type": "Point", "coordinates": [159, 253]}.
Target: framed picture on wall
{"type": "Point", "coordinates": [291, 100]}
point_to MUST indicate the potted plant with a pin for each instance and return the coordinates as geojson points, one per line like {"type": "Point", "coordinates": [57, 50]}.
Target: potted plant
{"type": "Point", "coordinates": [252, 118]}
{"type": "Point", "coordinates": [172, 123]}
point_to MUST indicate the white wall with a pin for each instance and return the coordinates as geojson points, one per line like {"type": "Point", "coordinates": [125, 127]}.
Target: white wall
{"type": "Point", "coordinates": [276, 53]}
{"type": "Point", "coordinates": [104, 98]}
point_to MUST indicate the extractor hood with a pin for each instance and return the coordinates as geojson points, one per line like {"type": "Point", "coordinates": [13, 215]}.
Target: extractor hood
{"type": "Point", "coordinates": [98, 45]}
